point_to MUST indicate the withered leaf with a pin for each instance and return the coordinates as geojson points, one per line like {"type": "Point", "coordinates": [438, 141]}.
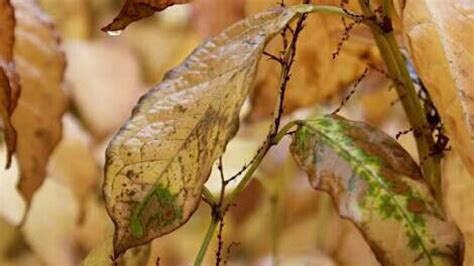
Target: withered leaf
{"type": "Point", "coordinates": [157, 164]}
{"type": "Point", "coordinates": [134, 10]}
{"type": "Point", "coordinates": [377, 185]}
{"type": "Point", "coordinates": [440, 37]}
{"type": "Point", "coordinates": [37, 118]}
{"type": "Point", "coordinates": [9, 88]}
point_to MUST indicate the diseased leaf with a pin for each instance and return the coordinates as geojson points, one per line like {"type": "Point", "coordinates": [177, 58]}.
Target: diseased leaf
{"type": "Point", "coordinates": [158, 162]}
{"type": "Point", "coordinates": [377, 185]}
{"type": "Point", "coordinates": [9, 88]}
{"type": "Point", "coordinates": [440, 37]}
{"type": "Point", "coordinates": [37, 118]}
{"type": "Point", "coordinates": [134, 10]}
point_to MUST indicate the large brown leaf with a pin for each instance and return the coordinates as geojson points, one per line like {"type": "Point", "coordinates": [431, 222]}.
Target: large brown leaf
{"type": "Point", "coordinates": [9, 88]}
{"type": "Point", "coordinates": [377, 185]}
{"type": "Point", "coordinates": [37, 118]}
{"type": "Point", "coordinates": [134, 10]}
{"type": "Point", "coordinates": [440, 37]}
{"type": "Point", "coordinates": [158, 162]}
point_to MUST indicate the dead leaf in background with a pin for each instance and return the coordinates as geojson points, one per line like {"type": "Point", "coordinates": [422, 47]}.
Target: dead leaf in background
{"type": "Point", "coordinates": [134, 10]}
{"type": "Point", "coordinates": [51, 221]}
{"type": "Point", "coordinates": [212, 16]}
{"type": "Point", "coordinates": [73, 163]}
{"type": "Point", "coordinates": [72, 17]}
{"type": "Point", "coordinates": [159, 161]}
{"type": "Point", "coordinates": [316, 76]}
{"type": "Point", "coordinates": [37, 118]}
{"type": "Point", "coordinates": [105, 83]}
{"type": "Point", "coordinates": [377, 185]}
{"type": "Point", "coordinates": [175, 42]}
{"type": "Point", "coordinates": [440, 37]}
{"type": "Point", "coordinates": [9, 87]}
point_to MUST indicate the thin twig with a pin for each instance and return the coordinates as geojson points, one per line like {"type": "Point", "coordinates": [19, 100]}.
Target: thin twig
{"type": "Point", "coordinates": [353, 90]}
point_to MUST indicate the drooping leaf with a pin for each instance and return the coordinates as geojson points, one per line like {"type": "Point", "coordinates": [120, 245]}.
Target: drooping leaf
{"type": "Point", "coordinates": [158, 162]}
{"type": "Point", "coordinates": [377, 185]}
{"type": "Point", "coordinates": [9, 88]}
{"type": "Point", "coordinates": [134, 10]}
{"type": "Point", "coordinates": [37, 118]}
{"type": "Point", "coordinates": [440, 38]}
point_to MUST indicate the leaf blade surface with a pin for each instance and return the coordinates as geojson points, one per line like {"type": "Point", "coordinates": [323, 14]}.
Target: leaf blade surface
{"type": "Point", "coordinates": [377, 185]}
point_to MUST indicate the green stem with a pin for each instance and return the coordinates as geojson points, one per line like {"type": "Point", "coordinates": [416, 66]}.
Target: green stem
{"type": "Point", "coordinates": [309, 8]}
{"type": "Point", "coordinates": [207, 240]}
{"type": "Point", "coordinates": [396, 67]}
{"type": "Point", "coordinates": [206, 193]}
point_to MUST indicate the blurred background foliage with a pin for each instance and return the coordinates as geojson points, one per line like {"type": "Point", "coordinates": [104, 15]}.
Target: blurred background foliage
{"type": "Point", "coordinates": [278, 212]}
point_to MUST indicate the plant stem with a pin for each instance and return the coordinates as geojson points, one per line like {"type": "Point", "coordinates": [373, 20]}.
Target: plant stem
{"type": "Point", "coordinates": [396, 67]}
{"type": "Point", "coordinates": [207, 240]}
{"type": "Point", "coordinates": [310, 8]}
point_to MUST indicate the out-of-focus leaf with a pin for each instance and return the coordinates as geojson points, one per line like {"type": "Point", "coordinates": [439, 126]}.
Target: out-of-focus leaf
{"type": "Point", "coordinates": [73, 163]}
{"type": "Point", "coordinates": [51, 221]}
{"type": "Point", "coordinates": [101, 72]}
{"type": "Point", "coordinates": [37, 118]}
{"type": "Point", "coordinates": [378, 186]}
{"type": "Point", "coordinates": [73, 18]}
{"type": "Point", "coordinates": [9, 88]}
{"type": "Point", "coordinates": [158, 162]}
{"type": "Point", "coordinates": [212, 16]}
{"type": "Point", "coordinates": [102, 255]}
{"type": "Point", "coordinates": [440, 37]}
{"type": "Point", "coordinates": [134, 10]}
{"type": "Point", "coordinates": [316, 76]}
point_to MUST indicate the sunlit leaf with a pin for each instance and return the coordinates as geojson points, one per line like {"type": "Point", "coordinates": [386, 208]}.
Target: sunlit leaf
{"type": "Point", "coordinates": [9, 88]}
{"type": "Point", "coordinates": [440, 39]}
{"type": "Point", "coordinates": [37, 117]}
{"type": "Point", "coordinates": [134, 10]}
{"type": "Point", "coordinates": [158, 162]}
{"type": "Point", "coordinates": [377, 185]}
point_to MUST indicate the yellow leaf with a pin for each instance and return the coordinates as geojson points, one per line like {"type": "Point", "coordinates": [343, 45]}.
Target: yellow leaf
{"type": "Point", "coordinates": [37, 118]}
{"type": "Point", "coordinates": [440, 37]}
{"type": "Point", "coordinates": [158, 162]}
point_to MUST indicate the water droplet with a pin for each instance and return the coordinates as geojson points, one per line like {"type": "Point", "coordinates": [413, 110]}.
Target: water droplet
{"type": "Point", "coordinates": [114, 32]}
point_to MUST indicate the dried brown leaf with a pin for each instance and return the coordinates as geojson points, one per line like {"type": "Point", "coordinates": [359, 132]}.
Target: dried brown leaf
{"type": "Point", "coordinates": [134, 10]}
{"type": "Point", "coordinates": [440, 37]}
{"type": "Point", "coordinates": [9, 88]}
{"type": "Point", "coordinates": [37, 118]}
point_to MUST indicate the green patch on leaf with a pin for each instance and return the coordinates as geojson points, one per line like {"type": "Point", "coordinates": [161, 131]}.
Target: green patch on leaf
{"type": "Point", "coordinates": [378, 186]}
